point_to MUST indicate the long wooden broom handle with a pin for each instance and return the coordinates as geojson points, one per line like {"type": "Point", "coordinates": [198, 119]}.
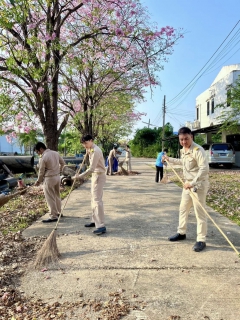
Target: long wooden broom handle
{"type": "Point", "coordinates": [233, 247]}
{"type": "Point", "coordinates": [70, 190]}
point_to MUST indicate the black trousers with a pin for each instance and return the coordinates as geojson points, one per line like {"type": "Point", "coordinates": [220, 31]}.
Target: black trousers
{"type": "Point", "coordinates": [159, 172]}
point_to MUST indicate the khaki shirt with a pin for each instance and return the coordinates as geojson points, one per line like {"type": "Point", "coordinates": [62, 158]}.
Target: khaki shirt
{"type": "Point", "coordinates": [195, 164]}
{"type": "Point", "coordinates": [96, 160]}
{"type": "Point", "coordinates": [50, 164]}
{"type": "Point", "coordinates": [128, 154]}
{"type": "Point", "coordinates": [112, 154]}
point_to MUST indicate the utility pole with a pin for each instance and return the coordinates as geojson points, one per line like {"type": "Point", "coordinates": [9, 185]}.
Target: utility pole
{"type": "Point", "coordinates": [163, 127]}
{"type": "Point", "coordinates": [148, 123]}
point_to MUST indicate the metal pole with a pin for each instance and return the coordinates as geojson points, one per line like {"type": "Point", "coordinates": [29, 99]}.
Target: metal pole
{"type": "Point", "coordinates": [163, 128]}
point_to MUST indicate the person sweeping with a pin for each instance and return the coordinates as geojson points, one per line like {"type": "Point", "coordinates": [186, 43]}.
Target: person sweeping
{"type": "Point", "coordinates": [97, 169]}
{"type": "Point", "coordinates": [50, 166]}
{"type": "Point", "coordinates": [196, 178]}
{"type": "Point", "coordinates": [159, 165]}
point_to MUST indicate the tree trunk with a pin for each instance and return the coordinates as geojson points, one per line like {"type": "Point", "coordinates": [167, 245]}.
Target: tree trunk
{"type": "Point", "coordinates": [51, 135]}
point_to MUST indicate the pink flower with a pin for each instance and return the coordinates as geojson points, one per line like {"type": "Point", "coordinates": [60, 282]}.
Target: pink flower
{"type": "Point", "coordinates": [31, 26]}
{"type": "Point", "coordinates": [27, 129]}
{"type": "Point", "coordinates": [119, 32]}
{"type": "Point", "coordinates": [40, 90]}
{"type": "Point", "coordinates": [48, 37]}
{"type": "Point", "coordinates": [53, 36]}
{"type": "Point", "coordinates": [19, 116]}
{"type": "Point", "coordinates": [9, 139]}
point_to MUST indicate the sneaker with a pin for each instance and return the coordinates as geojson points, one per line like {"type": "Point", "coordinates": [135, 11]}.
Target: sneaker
{"type": "Point", "coordinates": [199, 246]}
{"type": "Point", "coordinates": [100, 230]}
{"type": "Point", "coordinates": [177, 237]}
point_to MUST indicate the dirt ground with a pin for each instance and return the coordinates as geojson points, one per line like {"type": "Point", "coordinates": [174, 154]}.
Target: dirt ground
{"type": "Point", "coordinates": [132, 272]}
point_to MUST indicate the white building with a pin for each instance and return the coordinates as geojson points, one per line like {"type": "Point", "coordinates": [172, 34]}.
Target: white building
{"type": "Point", "coordinates": [207, 114]}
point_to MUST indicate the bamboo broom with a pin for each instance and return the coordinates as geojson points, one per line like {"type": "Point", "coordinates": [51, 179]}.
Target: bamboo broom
{"type": "Point", "coordinates": [205, 211]}
{"type": "Point", "coordinates": [49, 253]}
{"type": "Point", "coordinates": [124, 171]}
{"type": "Point", "coordinates": [165, 178]}
{"type": "Point", "coordinates": [5, 199]}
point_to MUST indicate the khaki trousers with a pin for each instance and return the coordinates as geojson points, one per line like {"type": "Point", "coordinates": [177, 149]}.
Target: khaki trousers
{"type": "Point", "coordinates": [128, 162]}
{"type": "Point", "coordinates": [51, 189]}
{"type": "Point", "coordinates": [187, 201]}
{"type": "Point", "coordinates": [97, 183]}
{"type": "Point", "coordinates": [110, 166]}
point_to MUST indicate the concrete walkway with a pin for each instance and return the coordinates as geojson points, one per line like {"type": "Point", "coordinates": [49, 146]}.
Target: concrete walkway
{"type": "Point", "coordinates": [135, 256]}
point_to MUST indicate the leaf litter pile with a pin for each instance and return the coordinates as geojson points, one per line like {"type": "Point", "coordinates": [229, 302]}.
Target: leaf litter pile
{"type": "Point", "coordinates": [17, 252]}
{"type": "Point", "coordinates": [129, 173]}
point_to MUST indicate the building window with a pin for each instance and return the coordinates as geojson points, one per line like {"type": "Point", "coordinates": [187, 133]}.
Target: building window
{"type": "Point", "coordinates": [212, 106]}
{"type": "Point", "coordinates": [197, 114]}
{"type": "Point", "coordinates": [228, 97]}
{"type": "Point", "coordinates": [208, 108]}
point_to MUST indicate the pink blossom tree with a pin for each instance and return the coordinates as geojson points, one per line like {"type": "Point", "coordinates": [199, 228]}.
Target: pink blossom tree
{"type": "Point", "coordinates": [39, 39]}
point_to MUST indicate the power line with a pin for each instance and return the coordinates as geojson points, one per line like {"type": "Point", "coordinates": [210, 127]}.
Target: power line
{"type": "Point", "coordinates": [187, 89]}
{"type": "Point", "coordinates": [171, 101]}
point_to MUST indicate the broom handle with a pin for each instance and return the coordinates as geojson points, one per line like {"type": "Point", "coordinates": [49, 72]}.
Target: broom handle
{"type": "Point", "coordinates": [70, 191]}
{"type": "Point", "coordinates": [233, 247]}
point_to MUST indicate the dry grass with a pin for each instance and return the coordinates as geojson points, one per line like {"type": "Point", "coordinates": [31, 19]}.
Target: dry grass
{"type": "Point", "coordinates": [224, 192]}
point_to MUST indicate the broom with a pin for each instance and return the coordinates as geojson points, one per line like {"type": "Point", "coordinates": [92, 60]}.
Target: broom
{"type": "Point", "coordinates": [205, 211]}
{"type": "Point", "coordinates": [49, 253]}
{"type": "Point", "coordinates": [165, 178]}
{"type": "Point", "coordinates": [5, 199]}
{"type": "Point", "coordinates": [124, 171]}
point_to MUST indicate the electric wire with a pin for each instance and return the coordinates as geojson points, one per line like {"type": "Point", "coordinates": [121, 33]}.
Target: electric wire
{"type": "Point", "coordinates": [171, 101]}
{"type": "Point", "coordinates": [187, 89]}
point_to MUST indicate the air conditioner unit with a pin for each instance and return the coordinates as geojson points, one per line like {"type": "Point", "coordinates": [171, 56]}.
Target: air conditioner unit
{"type": "Point", "coordinates": [189, 124]}
{"type": "Point", "coordinates": [196, 124]}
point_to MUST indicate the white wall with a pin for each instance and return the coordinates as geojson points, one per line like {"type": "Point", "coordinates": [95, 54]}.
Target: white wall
{"type": "Point", "coordinates": [217, 91]}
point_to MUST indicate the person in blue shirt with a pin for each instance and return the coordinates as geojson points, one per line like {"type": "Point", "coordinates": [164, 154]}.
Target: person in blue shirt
{"type": "Point", "coordinates": [159, 165]}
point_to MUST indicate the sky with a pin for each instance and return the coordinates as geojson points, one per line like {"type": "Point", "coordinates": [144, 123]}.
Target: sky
{"type": "Point", "coordinates": [206, 24]}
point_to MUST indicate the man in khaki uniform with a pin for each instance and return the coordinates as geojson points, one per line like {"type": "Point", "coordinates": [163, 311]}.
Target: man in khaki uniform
{"type": "Point", "coordinates": [195, 172]}
{"type": "Point", "coordinates": [97, 169]}
{"type": "Point", "coordinates": [111, 156]}
{"type": "Point", "coordinates": [128, 158]}
{"type": "Point", "coordinates": [50, 165]}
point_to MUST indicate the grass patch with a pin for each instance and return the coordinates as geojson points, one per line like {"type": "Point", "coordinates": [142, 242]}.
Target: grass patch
{"type": "Point", "coordinates": [224, 192]}
{"type": "Point", "coordinates": [223, 195]}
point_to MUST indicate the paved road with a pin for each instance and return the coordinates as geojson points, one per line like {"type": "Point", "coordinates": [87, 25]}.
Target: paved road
{"type": "Point", "coordinates": [135, 257]}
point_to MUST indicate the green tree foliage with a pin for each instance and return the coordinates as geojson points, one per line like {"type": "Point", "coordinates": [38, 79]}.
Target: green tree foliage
{"type": "Point", "coordinates": [230, 109]}
{"type": "Point", "coordinates": [28, 140]}
{"type": "Point", "coordinates": [69, 142]}
{"type": "Point", "coordinates": [199, 139]}
{"type": "Point", "coordinates": [148, 142]}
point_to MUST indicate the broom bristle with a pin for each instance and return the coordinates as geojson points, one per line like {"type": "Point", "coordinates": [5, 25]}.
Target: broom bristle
{"type": "Point", "coordinates": [120, 164]}
{"type": "Point", "coordinates": [49, 253]}
{"type": "Point", "coordinates": [165, 179]}
{"type": "Point", "coordinates": [124, 171]}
